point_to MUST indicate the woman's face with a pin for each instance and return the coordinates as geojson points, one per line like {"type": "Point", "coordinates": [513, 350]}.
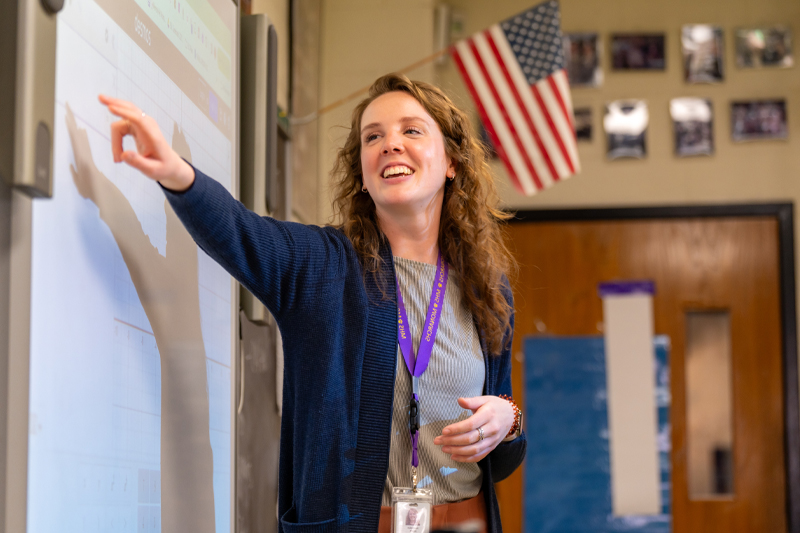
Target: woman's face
{"type": "Point", "coordinates": [403, 160]}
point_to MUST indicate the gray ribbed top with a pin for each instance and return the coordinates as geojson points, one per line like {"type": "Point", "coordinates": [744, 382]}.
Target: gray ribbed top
{"type": "Point", "coordinates": [456, 369]}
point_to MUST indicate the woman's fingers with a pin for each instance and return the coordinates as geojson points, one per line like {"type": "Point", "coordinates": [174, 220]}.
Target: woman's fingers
{"type": "Point", "coordinates": [131, 124]}
{"type": "Point", "coordinates": [149, 140]}
{"type": "Point", "coordinates": [146, 166]}
{"type": "Point", "coordinates": [473, 422]}
{"type": "Point", "coordinates": [119, 130]}
{"type": "Point", "coordinates": [468, 437]}
{"type": "Point", "coordinates": [459, 432]}
{"type": "Point", "coordinates": [476, 451]}
{"type": "Point", "coordinates": [473, 404]}
{"type": "Point", "coordinates": [153, 154]}
{"type": "Point", "coordinates": [133, 115]}
{"type": "Point", "coordinates": [108, 100]}
{"type": "Point", "coordinates": [493, 416]}
{"type": "Point", "coordinates": [470, 458]}
{"type": "Point", "coordinates": [471, 441]}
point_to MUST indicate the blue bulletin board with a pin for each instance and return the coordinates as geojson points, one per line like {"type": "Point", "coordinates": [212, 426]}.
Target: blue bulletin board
{"type": "Point", "coordinates": [567, 470]}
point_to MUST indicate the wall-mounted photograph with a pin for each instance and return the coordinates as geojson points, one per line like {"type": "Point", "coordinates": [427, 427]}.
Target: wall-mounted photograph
{"type": "Point", "coordinates": [582, 56]}
{"type": "Point", "coordinates": [702, 53]}
{"type": "Point", "coordinates": [583, 123]}
{"type": "Point", "coordinates": [637, 51]}
{"type": "Point", "coordinates": [758, 120]}
{"type": "Point", "coordinates": [693, 123]}
{"type": "Point", "coordinates": [625, 124]}
{"type": "Point", "coordinates": [764, 47]}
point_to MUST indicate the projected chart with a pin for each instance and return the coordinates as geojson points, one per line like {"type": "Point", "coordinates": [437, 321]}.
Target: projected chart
{"type": "Point", "coordinates": [131, 324]}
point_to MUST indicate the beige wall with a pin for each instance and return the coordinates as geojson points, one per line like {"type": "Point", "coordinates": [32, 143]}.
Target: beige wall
{"type": "Point", "coordinates": [305, 102]}
{"type": "Point", "coordinates": [363, 39]}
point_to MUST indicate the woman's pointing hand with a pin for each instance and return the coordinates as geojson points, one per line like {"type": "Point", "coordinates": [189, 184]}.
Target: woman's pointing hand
{"type": "Point", "coordinates": [153, 157]}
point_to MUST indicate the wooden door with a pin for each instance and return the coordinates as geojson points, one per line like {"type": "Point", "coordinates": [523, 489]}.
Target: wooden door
{"type": "Point", "coordinates": [697, 264]}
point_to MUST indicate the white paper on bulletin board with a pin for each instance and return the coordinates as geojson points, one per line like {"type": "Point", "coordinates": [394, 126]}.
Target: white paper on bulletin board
{"type": "Point", "coordinates": [633, 427]}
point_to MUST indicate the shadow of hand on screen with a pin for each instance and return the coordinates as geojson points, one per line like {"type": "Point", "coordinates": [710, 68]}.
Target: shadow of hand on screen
{"type": "Point", "coordinates": [169, 292]}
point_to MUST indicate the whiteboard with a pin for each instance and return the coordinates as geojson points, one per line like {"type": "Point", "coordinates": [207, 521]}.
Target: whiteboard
{"type": "Point", "coordinates": [132, 326]}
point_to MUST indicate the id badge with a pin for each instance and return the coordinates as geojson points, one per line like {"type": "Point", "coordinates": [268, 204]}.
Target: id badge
{"type": "Point", "coordinates": [411, 511]}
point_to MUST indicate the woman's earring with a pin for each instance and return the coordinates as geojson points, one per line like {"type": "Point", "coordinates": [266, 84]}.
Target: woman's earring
{"type": "Point", "coordinates": [451, 178]}
{"type": "Point", "coordinates": [364, 189]}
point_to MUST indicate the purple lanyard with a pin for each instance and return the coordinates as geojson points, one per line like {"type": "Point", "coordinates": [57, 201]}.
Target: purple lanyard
{"type": "Point", "coordinates": [419, 363]}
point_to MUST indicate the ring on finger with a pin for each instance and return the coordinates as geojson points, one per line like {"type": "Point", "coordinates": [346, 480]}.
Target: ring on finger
{"type": "Point", "coordinates": [480, 434]}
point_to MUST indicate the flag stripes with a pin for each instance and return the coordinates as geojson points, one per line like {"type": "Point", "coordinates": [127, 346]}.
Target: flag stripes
{"type": "Point", "coordinates": [533, 142]}
{"type": "Point", "coordinates": [508, 122]}
{"type": "Point", "coordinates": [490, 114]}
{"type": "Point", "coordinates": [562, 90]}
{"type": "Point", "coordinates": [530, 109]}
{"type": "Point", "coordinates": [530, 124]}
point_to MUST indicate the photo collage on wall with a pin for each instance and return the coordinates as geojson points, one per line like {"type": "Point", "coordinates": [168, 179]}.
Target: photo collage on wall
{"type": "Point", "coordinates": [625, 122]}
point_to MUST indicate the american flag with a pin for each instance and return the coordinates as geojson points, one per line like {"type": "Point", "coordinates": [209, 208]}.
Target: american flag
{"type": "Point", "coordinates": [515, 72]}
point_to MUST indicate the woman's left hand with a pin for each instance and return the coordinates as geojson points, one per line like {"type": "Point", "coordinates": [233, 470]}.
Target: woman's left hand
{"type": "Point", "coordinates": [462, 441]}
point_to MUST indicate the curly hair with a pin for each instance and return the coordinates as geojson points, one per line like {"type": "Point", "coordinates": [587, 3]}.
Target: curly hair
{"type": "Point", "coordinates": [470, 235]}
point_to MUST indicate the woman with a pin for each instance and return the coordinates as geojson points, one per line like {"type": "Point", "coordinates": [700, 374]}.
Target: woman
{"type": "Point", "coordinates": [418, 246]}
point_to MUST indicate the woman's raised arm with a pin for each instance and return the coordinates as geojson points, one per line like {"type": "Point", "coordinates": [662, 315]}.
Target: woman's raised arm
{"type": "Point", "coordinates": [281, 263]}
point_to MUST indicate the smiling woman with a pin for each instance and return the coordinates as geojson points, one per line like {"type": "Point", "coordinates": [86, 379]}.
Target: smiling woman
{"type": "Point", "coordinates": [400, 385]}
{"type": "Point", "coordinates": [414, 123]}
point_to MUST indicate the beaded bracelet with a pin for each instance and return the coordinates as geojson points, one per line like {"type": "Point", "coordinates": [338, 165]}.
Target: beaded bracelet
{"type": "Point", "coordinates": [515, 426]}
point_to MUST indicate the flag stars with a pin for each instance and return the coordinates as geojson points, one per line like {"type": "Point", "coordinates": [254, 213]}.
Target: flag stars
{"type": "Point", "coordinates": [532, 47]}
{"type": "Point", "coordinates": [535, 40]}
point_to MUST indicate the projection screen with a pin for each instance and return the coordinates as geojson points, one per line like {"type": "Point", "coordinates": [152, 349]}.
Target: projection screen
{"type": "Point", "coordinates": [132, 326]}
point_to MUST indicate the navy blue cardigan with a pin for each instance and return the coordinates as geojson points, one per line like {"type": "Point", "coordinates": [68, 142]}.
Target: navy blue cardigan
{"type": "Point", "coordinates": [340, 346]}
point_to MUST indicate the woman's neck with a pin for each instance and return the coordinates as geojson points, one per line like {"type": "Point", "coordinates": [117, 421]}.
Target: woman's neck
{"type": "Point", "coordinates": [413, 236]}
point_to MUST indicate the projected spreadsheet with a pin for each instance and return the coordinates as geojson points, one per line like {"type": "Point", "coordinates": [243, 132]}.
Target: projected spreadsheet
{"type": "Point", "coordinates": [120, 293]}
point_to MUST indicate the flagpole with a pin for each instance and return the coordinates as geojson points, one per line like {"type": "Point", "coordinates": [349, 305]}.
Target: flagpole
{"type": "Point", "coordinates": [316, 114]}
